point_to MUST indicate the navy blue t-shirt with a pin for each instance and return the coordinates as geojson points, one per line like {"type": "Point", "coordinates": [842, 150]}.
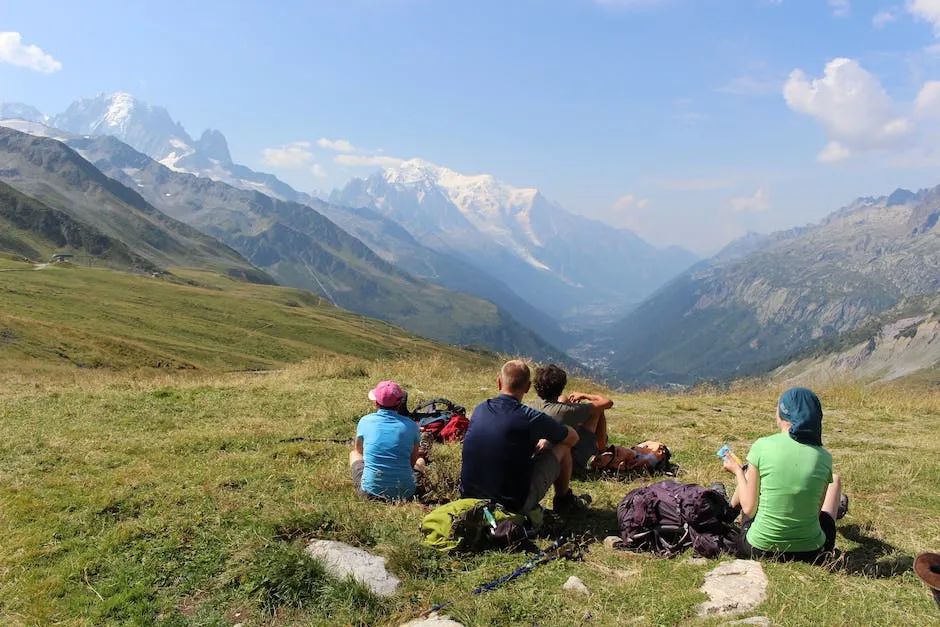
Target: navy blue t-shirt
{"type": "Point", "coordinates": [498, 449]}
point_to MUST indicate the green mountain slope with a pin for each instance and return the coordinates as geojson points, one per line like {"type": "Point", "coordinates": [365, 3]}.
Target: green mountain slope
{"type": "Point", "coordinates": [745, 313]}
{"type": "Point", "coordinates": [57, 176]}
{"type": "Point", "coordinates": [33, 230]}
{"type": "Point", "coordinates": [302, 248]}
{"type": "Point", "coordinates": [100, 318]}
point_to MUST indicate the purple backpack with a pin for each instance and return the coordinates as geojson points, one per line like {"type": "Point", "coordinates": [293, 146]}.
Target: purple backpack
{"type": "Point", "coordinates": [667, 517]}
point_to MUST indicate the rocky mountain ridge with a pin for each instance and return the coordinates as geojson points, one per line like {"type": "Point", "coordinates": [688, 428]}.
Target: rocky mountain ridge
{"type": "Point", "coordinates": [151, 130]}
{"type": "Point", "coordinates": [902, 342]}
{"type": "Point", "coordinates": [741, 314]}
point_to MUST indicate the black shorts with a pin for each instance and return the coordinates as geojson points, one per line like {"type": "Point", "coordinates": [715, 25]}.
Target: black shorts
{"type": "Point", "coordinates": [828, 525]}
{"type": "Point", "coordinates": [584, 450]}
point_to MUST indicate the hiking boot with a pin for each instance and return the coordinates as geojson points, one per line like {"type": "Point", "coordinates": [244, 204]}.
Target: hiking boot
{"type": "Point", "coordinates": [571, 502]}
{"type": "Point", "coordinates": [843, 507]}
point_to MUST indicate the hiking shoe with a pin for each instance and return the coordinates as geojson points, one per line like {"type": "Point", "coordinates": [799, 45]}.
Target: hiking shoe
{"type": "Point", "coordinates": [843, 507]}
{"type": "Point", "coordinates": [720, 489]}
{"type": "Point", "coordinates": [571, 502]}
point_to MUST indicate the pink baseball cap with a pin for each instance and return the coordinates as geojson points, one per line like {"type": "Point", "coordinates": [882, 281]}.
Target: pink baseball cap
{"type": "Point", "coordinates": [387, 394]}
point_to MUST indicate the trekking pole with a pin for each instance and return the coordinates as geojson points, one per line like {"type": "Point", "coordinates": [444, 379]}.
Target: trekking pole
{"type": "Point", "coordinates": [303, 438]}
{"type": "Point", "coordinates": [562, 548]}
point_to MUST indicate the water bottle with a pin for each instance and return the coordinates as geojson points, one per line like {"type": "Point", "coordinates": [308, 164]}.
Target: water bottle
{"type": "Point", "coordinates": [725, 451]}
{"type": "Point", "coordinates": [488, 517]}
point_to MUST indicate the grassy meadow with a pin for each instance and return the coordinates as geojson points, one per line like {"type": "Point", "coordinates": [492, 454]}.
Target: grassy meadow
{"type": "Point", "coordinates": [171, 499]}
{"type": "Point", "coordinates": [95, 318]}
{"type": "Point", "coordinates": [134, 494]}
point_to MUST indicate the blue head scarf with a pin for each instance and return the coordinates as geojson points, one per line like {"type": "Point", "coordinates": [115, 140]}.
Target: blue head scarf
{"type": "Point", "coordinates": [802, 409]}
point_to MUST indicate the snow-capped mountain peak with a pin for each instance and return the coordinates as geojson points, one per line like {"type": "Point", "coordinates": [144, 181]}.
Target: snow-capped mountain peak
{"type": "Point", "coordinates": [556, 259]}
{"type": "Point", "coordinates": [481, 193]}
{"type": "Point", "coordinates": [147, 128]}
{"type": "Point", "coordinates": [150, 130]}
{"type": "Point", "coordinates": [499, 210]}
{"type": "Point", "coordinates": [119, 110]}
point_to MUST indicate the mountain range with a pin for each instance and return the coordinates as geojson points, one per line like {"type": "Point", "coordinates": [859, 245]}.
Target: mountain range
{"type": "Point", "coordinates": [578, 271]}
{"type": "Point", "coordinates": [471, 259]}
{"type": "Point", "coordinates": [152, 131]}
{"type": "Point", "coordinates": [291, 242]}
{"type": "Point", "coordinates": [551, 270]}
{"type": "Point", "coordinates": [58, 178]}
{"type": "Point", "coordinates": [301, 248]}
{"type": "Point", "coordinates": [767, 300]}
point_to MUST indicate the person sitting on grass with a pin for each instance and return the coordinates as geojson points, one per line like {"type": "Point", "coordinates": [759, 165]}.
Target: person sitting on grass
{"type": "Point", "coordinates": [512, 454]}
{"type": "Point", "coordinates": [787, 493]}
{"type": "Point", "coordinates": [384, 461]}
{"type": "Point", "coordinates": [587, 418]}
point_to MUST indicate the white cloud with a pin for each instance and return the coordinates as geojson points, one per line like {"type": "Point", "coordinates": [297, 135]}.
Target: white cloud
{"type": "Point", "coordinates": [359, 161]}
{"type": "Point", "coordinates": [927, 104]}
{"type": "Point", "coordinates": [833, 152]}
{"type": "Point", "coordinates": [852, 106]}
{"type": "Point", "coordinates": [927, 10]}
{"type": "Point", "coordinates": [336, 145]}
{"type": "Point", "coordinates": [31, 57]}
{"type": "Point", "coordinates": [840, 8]}
{"type": "Point", "coordinates": [630, 201]}
{"type": "Point", "coordinates": [317, 170]}
{"type": "Point", "coordinates": [755, 203]}
{"type": "Point", "coordinates": [883, 18]}
{"type": "Point", "coordinates": [291, 156]}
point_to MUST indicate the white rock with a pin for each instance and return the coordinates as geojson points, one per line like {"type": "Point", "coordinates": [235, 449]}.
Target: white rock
{"type": "Point", "coordinates": [574, 584]}
{"type": "Point", "coordinates": [612, 542]}
{"type": "Point", "coordinates": [762, 621]}
{"type": "Point", "coordinates": [733, 587]}
{"type": "Point", "coordinates": [342, 560]}
{"type": "Point", "coordinates": [433, 620]}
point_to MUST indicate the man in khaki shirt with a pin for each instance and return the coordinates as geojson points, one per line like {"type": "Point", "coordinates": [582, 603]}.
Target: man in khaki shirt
{"type": "Point", "coordinates": [582, 412]}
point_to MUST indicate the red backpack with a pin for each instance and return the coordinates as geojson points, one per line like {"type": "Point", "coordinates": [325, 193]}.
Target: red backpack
{"type": "Point", "coordinates": [442, 419]}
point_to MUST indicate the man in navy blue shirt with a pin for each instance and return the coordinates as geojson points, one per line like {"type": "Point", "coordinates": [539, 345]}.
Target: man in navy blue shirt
{"type": "Point", "coordinates": [512, 453]}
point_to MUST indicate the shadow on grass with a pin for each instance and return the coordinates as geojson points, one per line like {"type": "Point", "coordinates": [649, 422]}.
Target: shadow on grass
{"type": "Point", "coordinates": [872, 557]}
{"type": "Point", "coordinates": [596, 522]}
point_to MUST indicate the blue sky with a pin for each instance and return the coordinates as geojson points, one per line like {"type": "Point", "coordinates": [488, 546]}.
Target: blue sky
{"type": "Point", "coordinates": [681, 119]}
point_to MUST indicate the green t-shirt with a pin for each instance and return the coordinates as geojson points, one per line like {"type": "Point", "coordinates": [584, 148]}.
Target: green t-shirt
{"type": "Point", "coordinates": [793, 480]}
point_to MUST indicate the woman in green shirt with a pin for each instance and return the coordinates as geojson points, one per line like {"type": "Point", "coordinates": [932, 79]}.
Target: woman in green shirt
{"type": "Point", "coordinates": [787, 492]}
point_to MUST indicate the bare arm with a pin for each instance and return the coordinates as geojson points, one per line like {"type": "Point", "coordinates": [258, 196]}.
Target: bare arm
{"type": "Point", "coordinates": [414, 456]}
{"type": "Point", "coordinates": [596, 400]}
{"type": "Point", "coordinates": [748, 486]}
{"type": "Point", "coordinates": [358, 445]}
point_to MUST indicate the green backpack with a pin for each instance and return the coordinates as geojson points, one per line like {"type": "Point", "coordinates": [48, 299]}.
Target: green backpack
{"type": "Point", "coordinates": [475, 524]}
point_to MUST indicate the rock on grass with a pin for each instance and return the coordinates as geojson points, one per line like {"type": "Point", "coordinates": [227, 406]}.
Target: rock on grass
{"type": "Point", "coordinates": [342, 560]}
{"type": "Point", "coordinates": [733, 587]}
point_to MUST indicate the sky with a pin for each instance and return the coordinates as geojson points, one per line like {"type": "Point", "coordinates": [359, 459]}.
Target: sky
{"type": "Point", "coordinates": [690, 122]}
